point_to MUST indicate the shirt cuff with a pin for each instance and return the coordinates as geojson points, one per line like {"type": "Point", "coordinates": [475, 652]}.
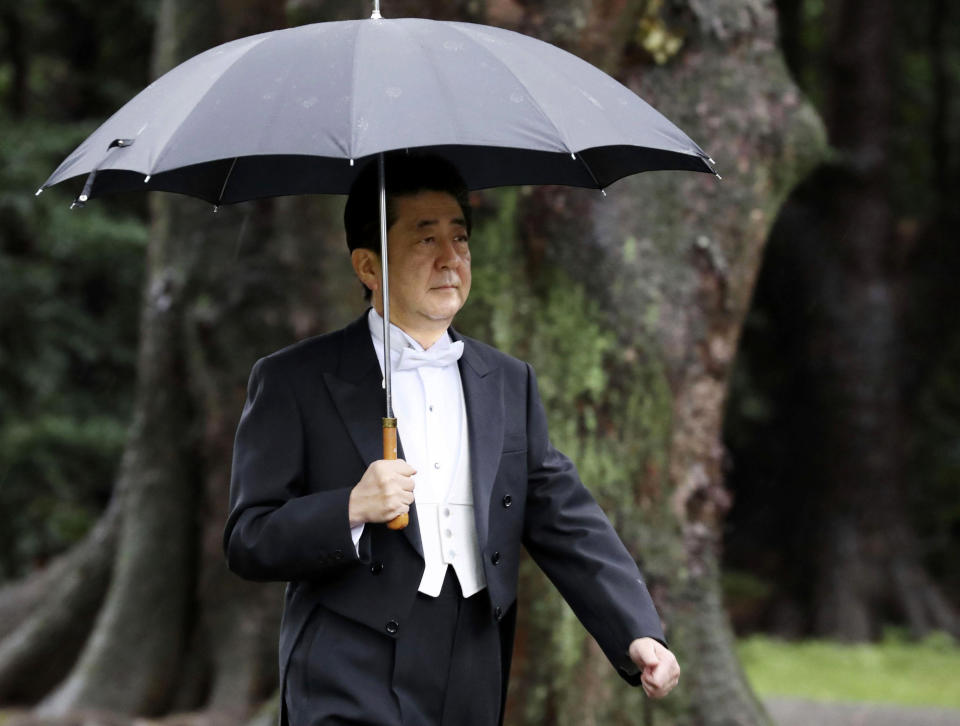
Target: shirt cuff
{"type": "Point", "coordinates": [356, 533]}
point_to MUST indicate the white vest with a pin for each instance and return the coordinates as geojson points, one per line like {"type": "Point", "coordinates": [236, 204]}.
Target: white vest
{"type": "Point", "coordinates": [432, 423]}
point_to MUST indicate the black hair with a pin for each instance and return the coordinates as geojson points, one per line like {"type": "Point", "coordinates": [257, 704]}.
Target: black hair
{"type": "Point", "coordinates": [405, 174]}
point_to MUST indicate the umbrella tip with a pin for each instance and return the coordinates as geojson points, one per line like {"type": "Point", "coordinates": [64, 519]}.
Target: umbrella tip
{"type": "Point", "coordinates": [39, 192]}
{"type": "Point", "coordinates": [147, 178]}
{"type": "Point", "coordinates": [80, 201]}
{"type": "Point", "coordinates": [351, 162]}
{"type": "Point", "coordinates": [375, 15]}
{"type": "Point", "coordinates": [216, 208]}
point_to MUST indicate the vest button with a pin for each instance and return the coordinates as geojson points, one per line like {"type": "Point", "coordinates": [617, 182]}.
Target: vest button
{"type": "Point", "coordinates": [377, 567]}
{"type": "Point", "coordinates": [392, 627]}
{"type": "Point", "coordinates": [507, 501]}
{"type": "Point", "coordinates": [497, 612]}
{"type": "Point", "coordinates": [495, 558]}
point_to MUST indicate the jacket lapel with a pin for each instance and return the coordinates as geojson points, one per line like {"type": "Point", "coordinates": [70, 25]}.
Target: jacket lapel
{"type": "Point", "coordinates": [357, 392]}
{"type": "Point", "coordinates": [483, 394]}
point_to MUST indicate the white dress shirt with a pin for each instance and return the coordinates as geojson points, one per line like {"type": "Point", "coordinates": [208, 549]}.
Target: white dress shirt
{"type": "Point", "coordinates": [432, 424]}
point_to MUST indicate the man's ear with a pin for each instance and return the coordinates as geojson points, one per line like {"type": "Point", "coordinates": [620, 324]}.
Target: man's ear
{"type": "Point", "coordinates": [366, 265]}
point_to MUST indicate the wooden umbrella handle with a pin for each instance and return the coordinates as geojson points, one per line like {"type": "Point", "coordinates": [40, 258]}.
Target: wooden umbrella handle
{"type": "Point", "coordinates": [390, 454]}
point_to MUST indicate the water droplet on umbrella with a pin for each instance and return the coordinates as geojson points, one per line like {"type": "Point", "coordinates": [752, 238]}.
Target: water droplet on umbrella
{"type": "Point", "coordinates": [394, 92]}
{"type": "Point", "coordinates": [516, 97]}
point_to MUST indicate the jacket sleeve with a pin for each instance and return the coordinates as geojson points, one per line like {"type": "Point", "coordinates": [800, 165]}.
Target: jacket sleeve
{"type": "Point", "coordinates": [276, 530]}
{"type": "Point", "coordinates": [573, 542]}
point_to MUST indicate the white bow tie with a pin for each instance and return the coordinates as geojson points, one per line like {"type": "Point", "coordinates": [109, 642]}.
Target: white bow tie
{"type": "Point", "coordinates": [408, 358]}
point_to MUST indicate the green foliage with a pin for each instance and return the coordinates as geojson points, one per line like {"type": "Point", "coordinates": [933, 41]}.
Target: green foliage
{"type": "Point", "coordinates": [69, 288]}
{"type": "Point", "coordinates": [893, 671]}
{"type": "Point", "coordinates": [69, 281]}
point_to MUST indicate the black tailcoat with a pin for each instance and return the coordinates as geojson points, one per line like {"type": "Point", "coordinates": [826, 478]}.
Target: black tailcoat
{"type": "Point", "coordinates": [310, 428]}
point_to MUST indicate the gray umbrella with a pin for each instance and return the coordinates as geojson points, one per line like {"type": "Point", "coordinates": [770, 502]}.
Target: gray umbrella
{"type": "Point", "coordinates": [294, 112]}
{"type": "Point", "coordinates": [290, 111]}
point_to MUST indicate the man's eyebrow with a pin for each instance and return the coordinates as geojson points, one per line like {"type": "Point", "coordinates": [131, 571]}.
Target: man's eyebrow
{"type": "Point", "coordinates": [430, 222]}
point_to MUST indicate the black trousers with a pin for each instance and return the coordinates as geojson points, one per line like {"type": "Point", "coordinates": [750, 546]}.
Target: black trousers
{"type": "Point", "coordinates": [443, 669]}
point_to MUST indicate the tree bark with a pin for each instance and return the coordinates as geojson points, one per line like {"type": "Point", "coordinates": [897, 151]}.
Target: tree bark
{"type": "Point", "coordinates": [62, 605]}
{"type": "Point", "coordinates": [131, 662]}
{"type": "Point", "coordinates": [869, 560]}
{"type": "Point", "coordinates": [630, 308]}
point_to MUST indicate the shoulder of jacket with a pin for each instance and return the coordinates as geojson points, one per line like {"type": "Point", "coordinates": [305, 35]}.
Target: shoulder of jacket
{"type": "Point", "coordinates": [318, 353]}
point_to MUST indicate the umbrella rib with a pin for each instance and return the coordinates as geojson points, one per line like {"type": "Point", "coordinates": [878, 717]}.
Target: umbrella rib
{"type": "Point", "coordinates": [226, 180]}
{"type": "Point", "coordinates": [590, 172]}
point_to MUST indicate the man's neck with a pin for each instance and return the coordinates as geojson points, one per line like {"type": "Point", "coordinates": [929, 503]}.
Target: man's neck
{"type": "Point", "coordinates": [425, 338]}
{"type": "Point", "coordinates": [426, 334]}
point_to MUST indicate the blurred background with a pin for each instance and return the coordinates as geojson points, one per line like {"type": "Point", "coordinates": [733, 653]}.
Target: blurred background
{"type": "Point", "coordinates": [759, 377]}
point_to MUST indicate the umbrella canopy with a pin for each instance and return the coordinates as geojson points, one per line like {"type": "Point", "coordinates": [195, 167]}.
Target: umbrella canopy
{"type": "Point", "coordinates": [293, 111]}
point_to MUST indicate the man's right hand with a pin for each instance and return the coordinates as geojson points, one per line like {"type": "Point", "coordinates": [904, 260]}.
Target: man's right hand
{"type": "Point", "coordinates": [385, 491]}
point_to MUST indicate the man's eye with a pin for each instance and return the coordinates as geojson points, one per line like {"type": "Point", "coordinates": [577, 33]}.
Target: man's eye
{"type": "Point", "coordinates": [427, 240]}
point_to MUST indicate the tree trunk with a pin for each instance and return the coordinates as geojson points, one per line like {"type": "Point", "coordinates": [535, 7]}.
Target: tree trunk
{"type": "Point", "coordinates": [869, 560]}
{"type": "Point", "coordinates": [57, 612]}
{"type": "Point", "coordinates": [630, 307]}
{"type": "Point", "coordinates": [132, 663]}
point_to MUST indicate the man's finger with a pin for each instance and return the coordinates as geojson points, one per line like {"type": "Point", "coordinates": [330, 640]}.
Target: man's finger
{"type": "Point", "coordinates": [658, 676]}
{"type": "Point", "coordinates": [643, 652]}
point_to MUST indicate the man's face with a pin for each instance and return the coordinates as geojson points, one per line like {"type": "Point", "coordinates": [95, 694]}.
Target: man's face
{"type": "Point", "coordinates": [429, 261]}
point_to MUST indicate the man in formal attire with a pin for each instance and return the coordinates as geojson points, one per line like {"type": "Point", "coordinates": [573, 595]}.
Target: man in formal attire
{"type": "Point", "coordinates": [416, 626]}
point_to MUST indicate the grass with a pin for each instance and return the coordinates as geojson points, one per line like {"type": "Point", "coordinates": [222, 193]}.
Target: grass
{"type": "Point", "coordinates": [925, 673]}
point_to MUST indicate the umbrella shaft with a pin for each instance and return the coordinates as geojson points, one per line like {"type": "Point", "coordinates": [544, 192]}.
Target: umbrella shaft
{"type": "Point", "coordinates": [385, 274]}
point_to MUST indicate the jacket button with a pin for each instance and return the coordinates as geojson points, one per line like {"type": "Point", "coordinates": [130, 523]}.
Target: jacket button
{"type": "Point", "coordinates": [495, 558]}
{"type": "Point", "coordinates": [338, 554]}
{"type": "Point", "coordinates": [507, 501]}
{"type": "Point", "coordinates": [497, 612]}
{"type": "Point", "coordinates": [377, 567]}
{"type": "Point", "coordinates": [392, 627]}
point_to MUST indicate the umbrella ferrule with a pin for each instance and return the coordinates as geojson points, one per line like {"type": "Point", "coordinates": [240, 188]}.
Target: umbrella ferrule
{"type": "Point", "coordinates": [375, 15]}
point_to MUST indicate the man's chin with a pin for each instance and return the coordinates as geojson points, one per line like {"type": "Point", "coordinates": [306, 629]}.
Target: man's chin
{"type": "Point", "coordinates": [446, 313]}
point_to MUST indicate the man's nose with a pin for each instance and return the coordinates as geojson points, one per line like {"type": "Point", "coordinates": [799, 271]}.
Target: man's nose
{"type": "Point", "coordinates": [448, 255]}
